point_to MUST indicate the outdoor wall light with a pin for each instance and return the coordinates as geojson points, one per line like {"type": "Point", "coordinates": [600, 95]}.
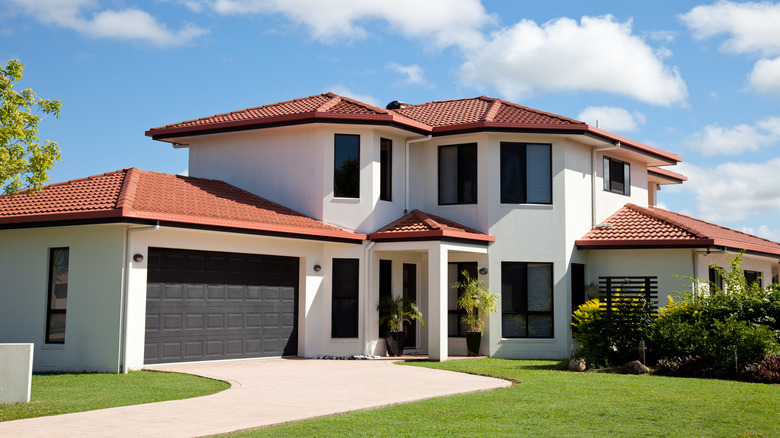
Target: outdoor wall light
{"type": "Point", "coordinates": [317, 268]}
{"type": "Point", "coordinates": [483, 271]}
{"type": "Point", "coordinates": [138, 258]}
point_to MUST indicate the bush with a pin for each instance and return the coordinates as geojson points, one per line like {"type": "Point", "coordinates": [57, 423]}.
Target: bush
{"type": "Point", "coordinates": [765, 371]}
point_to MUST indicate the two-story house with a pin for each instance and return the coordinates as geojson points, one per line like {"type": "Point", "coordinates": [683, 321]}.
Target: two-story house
{"type": "Point", "coordinates": [298, 216]}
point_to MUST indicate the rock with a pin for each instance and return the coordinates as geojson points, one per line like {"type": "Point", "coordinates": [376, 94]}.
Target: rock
{"type": "Point", "coordinates": [637, 367]}
{"type": "Point", "coordinates": [577, 365]}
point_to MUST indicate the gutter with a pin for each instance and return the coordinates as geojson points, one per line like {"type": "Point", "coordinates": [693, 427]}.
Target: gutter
{"type": "Point", "coordinates": [406, 168]}
{"type": "Point", "coordinates": [593, 184]}
{"type": "Point", "coordinates": [127, 266]}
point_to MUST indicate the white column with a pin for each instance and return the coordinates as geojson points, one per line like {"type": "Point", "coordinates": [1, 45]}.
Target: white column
{"type": "Point", "coordinates": [437, 303]}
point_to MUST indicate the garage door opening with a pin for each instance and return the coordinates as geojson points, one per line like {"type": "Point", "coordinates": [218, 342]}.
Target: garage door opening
{"type": "Point", "coordinates": [205, 305]}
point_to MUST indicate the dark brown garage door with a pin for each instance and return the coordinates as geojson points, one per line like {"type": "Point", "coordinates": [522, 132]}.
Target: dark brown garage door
{"type": "Point", "coordinates": [204, 305]}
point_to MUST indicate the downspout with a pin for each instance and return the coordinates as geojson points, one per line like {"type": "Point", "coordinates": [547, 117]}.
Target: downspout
{"type": "Point", "coordinates": [406, 168]}
{"type": "Point", "coordinates": [366, 288]}
{"type": "Point", "coordinates": [128, 264]}
{"type": "Point", "coordinates": [593, 183]}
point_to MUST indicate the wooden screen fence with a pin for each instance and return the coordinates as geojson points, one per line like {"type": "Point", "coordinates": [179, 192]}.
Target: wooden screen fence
{"type": "Point", "coordinates": [619, 296]}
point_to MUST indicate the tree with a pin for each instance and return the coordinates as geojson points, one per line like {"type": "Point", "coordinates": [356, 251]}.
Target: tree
{"type": "Point", "coordinates": [24, 162]}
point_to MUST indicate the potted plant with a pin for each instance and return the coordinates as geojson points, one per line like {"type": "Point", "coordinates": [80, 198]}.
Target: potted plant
{"type": "Point", "coordinates": [478, 303]}
{"type": "Point", "coordinates": [395, 312]}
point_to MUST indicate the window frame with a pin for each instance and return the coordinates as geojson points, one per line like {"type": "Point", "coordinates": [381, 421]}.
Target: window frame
{"type": "Point", "coordinates": [507, 147]}
{"type": "Point", "coordinates": [385, 169]}
{"type": "Point", "coordinates": [754, 277]}
{"type": "Point", "coordinates": [524, 292]}
{"type": "Point", "coordinates": [345, 298]}
{"type": "Point", "coordinates": [610, 183]}
{"type": "Point", "coordinates": [463, 162]}
{"type": "Point", "coordinates": [339, 142]}
{"type": "Point", "coordinates": [51, 293]}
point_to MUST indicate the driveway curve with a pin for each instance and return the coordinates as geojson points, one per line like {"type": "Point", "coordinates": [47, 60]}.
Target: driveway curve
{"type": "Point", "coordinates": [262, 393]}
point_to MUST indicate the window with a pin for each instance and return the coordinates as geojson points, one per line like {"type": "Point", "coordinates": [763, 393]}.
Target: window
{"type": "Point", "coordinates": [617, 176]}
{"type": "Point", "coordinates": [753, 277]}
{"type": "Point", "coordinates": [455, 328]}
{"type": "Point", "coordinates": [578, 295]}
{"type": "Point", "coordinates": [458, 174]}
{"type": "Point", "coordinates": [385, 169]}
{"type": "Point", "coordinates": [526, 173]}
{"type": "Point", "coordinates": [716, 279]}
{"type": "Point", "coordinates": [526, 300]}
{"type": "Point", "coordinates": [344, 314]}
{"type": "Point", "coordinates": [57, 295]}
{"type": "Point", "coordinates": [385, 289]}
{"type": "Point", "coordinates": [346, 172]}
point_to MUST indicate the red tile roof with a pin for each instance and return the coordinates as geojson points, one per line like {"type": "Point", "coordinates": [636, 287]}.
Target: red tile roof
{"type": "Point", "coordinates": [137, 194]}
{"type": "Point", "coordinates": [438, 117]}
{"type": "Point", "coordinates": [418, 224]}
{"type": "Point", "coordinates": [634, 226]}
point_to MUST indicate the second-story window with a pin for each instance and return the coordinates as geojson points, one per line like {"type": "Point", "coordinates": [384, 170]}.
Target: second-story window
{"type": "Point", "coordinates": [526, 173]}
{"type": "Point", "coordinates": [346, 172]}
{"type": "Point", "coordinates": [617, 176]}
{"type": "Point", "coordinates": [458, 174]}
{"type": "Point", "coordinates": [386, 169]}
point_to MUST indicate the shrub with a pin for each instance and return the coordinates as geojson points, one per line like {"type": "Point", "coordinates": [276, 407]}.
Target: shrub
{"type": "Point", "coordinates": [683, 366]}
{"type": "Point", "coordinates": [765, 371]}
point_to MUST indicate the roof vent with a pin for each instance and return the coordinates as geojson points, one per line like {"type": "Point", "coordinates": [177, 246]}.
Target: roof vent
{"type": "Point", "coordinates": [396, 104]}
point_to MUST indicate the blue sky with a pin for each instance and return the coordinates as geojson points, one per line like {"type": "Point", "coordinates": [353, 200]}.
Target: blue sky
{"type": "Point", "coordinates": [699, 79]}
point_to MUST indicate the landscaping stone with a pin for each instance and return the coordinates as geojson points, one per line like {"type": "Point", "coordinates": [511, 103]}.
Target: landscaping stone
{"type": "Point", "coordinates": [637, 367]}
{"type": "Point", "coordinates": [577, 365]}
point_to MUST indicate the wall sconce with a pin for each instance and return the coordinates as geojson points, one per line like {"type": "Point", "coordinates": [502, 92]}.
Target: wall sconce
{"type": "Point", "coordinates": [138, 258]}
{"type": "Point", "coordinates": [483, 271]}
{"type": "Point", "coordinates": [317, 268]}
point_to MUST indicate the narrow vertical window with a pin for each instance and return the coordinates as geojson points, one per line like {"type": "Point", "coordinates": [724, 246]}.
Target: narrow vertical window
{"type": "Point", "coordinates": [385, 169]}
{"type": "Point", "coordinates": [346, 172]}
{"type": "Point", "coordinates": [617, 176]}
{"type": "Point", "coordinates": [526, 173]}
{"type": "Point", "coordinates": [344, 312]}
{"type": "Point", "coordinates": [385, 289]}
{"type": "Point", "coordinates": [715, 278]}
{"type": "Point", "coordinates": [57, 295]}
{"type": "Point", "coordinates": [458, 174]}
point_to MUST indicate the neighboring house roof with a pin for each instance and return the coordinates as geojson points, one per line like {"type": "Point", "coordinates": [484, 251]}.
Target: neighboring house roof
{"type": "Point", "coordinates": [436, 118]}
{"type": "Point", "coordinates": [418, 225]}
{"type": "Point", "coordinates": [136, 194]}
{"type": "Point", "coordinates": [667, 176]}
{"type": "Point", "coordinates": [642, 227]}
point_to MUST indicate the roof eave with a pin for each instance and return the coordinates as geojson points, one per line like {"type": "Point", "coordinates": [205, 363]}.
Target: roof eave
{"type": "Point", "coordinates": [413, 235]}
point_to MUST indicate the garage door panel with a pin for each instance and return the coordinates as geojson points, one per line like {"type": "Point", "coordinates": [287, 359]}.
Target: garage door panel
{"type": "Point", "coordinates": [202, 306]}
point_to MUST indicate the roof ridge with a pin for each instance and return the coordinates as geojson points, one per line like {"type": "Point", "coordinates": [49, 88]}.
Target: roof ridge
{"type": "Point", "coordinates": [327, 106]}
{"type": "Point", "coordinates": [124, 201]}
{"type": "Point", "coordinates": [546, 113]}
{"type": "Point", "coordinates": [363, 104]}
{"type": "Point", "coordinates": [650, 213]}
{"type": "Point", "coordinates": [492, 110]}
{"type": "Point", "coordinates": [714, 225]}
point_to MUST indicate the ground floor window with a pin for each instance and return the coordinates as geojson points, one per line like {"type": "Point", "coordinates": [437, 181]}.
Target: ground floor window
{"type": "Point", "coordinates": [455, 328]}
{"type": "Point", "coordinates": [57, 295]}
{"type": "Point", "coordinates": [526, 300]}
{"type": "Point", "coordinates": [344, 313]}
{"type": "Point", "coordinates": [754, 277]}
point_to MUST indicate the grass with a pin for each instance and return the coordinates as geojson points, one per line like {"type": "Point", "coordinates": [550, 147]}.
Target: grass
{"type": "Point", "coordinates": [553, 403]}
{"type": "Point", "coordinates": [54, 394]}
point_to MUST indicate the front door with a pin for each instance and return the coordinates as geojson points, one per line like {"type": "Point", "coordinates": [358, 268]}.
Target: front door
{"type": "Point", "coordinates": [410, 293]}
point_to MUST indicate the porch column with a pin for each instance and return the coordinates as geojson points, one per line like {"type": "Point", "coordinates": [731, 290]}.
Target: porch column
{"type": "Point", "coordinates": [437, 303]}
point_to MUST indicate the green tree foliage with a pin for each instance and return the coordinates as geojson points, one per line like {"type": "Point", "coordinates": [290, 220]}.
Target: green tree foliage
{"type": "Point", "coordinates": [24, 161]}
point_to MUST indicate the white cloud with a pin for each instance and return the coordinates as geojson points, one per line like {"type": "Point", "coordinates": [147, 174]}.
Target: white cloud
{"type": "Point", "coordinates": [733, 191]}
{"type": "Point", "coordinates": [765, 77]}
{"type": "Point", "coordinates": [763, 231]}
{"type": "Point", "coordinates": [752, 27]}
{"type": "Point", "coordinates": [413, 73]}
{"type": "Point", "coordinates": [126, 24]}
{"type": "Point", "coordinates": [717, 140]}
{"type": "Point", "coordinates": [442, 22]}
{"type": "Point", "coordinates": [342, 90]}
{"type": "Point", "coordinates": [596, 54]}
{"type": "Point", "coordinates": [612, 118]}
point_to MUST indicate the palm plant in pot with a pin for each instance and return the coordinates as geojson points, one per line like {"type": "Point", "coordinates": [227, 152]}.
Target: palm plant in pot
{"type": "Point", "coordinates": [395, 312]}
{"type": "Point", "coordinates": [478, 302]}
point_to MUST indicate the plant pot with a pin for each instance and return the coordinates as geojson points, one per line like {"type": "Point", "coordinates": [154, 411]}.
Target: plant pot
{"type": "Point", "coordinates": [395, 343]}
{"type": "Point", "coordinates": [473, 339]}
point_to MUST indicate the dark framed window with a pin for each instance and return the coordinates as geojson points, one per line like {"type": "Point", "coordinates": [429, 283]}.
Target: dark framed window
{"type": "Point", "coordinates": [526, 300]}
{"type": "Point", "coordinates": [617, 176]}
{"type": "Point", "coordinates": [385, 169]}
{"type": "Point", "coordinates": [57, 302]}
{"type": "Point", "coordinates": [578, 295]}
{"type": "Point", "coordinates": [346, 171]}
{"type": "Point", "coordinates": [455, 328]}
{"type": "Point", "coordinates": [715, 278]}
{"type": "Point", "coordinates": [344, 312]}
{"type": "Point", "coordinates": [526, 173]}
{"type": "Point", "coordinates": [458, 174]}
{"type": "Point", "coordinates": [754, 277]}
{"type": "Point", "coordinates": [385, 289]}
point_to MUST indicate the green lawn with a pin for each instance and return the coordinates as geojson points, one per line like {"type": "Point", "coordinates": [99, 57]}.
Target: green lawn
{"type": "Point", "coordinates": [548, 402]}
{"type": "Point", "coordinates": [54, 394]}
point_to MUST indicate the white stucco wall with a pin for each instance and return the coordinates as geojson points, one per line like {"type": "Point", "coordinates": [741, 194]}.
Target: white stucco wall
{"type": "Point", "coordinates": [93, 305]}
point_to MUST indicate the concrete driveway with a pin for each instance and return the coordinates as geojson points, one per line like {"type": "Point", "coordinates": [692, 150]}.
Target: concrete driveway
{"type": "Point", "coordinates": [262, 392]}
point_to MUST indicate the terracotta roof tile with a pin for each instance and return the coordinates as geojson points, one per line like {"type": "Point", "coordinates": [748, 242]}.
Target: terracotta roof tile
{"type": "Point", "coordinates": [651, 226]}
{"type": "Point", "coordinates": [417, 224]}
{"type": "Point", "coordinates": [133, 193]}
